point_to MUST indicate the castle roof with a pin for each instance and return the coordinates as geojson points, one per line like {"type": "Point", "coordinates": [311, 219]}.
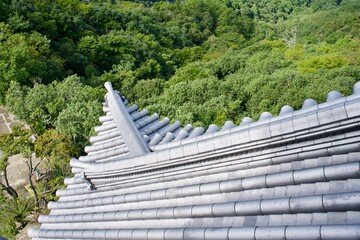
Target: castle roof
{"type": "Point", "coordinates": [291, 176]}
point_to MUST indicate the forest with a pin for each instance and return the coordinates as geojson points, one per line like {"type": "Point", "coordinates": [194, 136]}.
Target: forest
{"type": "Point", "coordinates": [196, 61]}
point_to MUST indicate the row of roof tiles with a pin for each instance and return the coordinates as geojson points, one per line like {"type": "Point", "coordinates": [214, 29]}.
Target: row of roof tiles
{"type": "Point", "coordinates": [160, 134]}
{"type": "Point", "coordinates": [295, 176]}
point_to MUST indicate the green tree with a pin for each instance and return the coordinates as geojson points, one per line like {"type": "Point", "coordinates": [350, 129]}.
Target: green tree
{"type": "Point", "coordinates": [26, 58]}
{"type": "Point", "coordinates": [55, 150]}
{"type": "Point", "coordinates": [78, 120]}
{"type": "Point", "coordinates": [42, 105]}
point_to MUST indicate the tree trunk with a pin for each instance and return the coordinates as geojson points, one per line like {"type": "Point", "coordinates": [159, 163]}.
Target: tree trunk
{"type": "Point", "coordinates": [11, 191]}
{"type": "Point", "coordinates": [32, 187]}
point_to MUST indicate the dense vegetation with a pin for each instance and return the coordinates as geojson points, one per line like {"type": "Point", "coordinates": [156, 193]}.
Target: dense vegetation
{"type": "Point", "coordinates": [197, 61]}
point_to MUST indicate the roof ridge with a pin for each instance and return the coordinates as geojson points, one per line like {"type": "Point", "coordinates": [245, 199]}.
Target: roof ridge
{"type": "Point", "coordinates": [126, 126]}
{"type": "Point", "coordinates": [161, 133]}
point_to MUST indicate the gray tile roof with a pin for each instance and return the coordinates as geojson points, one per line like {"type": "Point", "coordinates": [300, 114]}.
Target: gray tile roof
{"type": "Point", "coordinates": [293, 176]}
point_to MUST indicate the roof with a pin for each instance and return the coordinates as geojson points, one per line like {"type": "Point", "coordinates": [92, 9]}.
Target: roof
{"type": "Point", "coordinates": [292, 176]}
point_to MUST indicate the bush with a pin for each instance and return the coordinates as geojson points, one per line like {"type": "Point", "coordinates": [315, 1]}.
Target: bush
{"type": "Point", "coordinates": [327, 61]}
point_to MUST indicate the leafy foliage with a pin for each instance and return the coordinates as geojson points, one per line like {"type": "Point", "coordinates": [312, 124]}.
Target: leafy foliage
{"type": "Point", "coordinates": [70, 107]}
{"type": "Point", "coordinates": [7, 222]}
{"type": "Point", "coordinates": [18, 141]}
{"type": "Point", "coordinates": [13, 213]}
{"type": "Point", "coordinates": [56, 150]}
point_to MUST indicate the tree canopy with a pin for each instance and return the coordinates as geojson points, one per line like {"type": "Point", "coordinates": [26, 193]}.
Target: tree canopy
{"type": "Point", "coordinates": [197, 61]}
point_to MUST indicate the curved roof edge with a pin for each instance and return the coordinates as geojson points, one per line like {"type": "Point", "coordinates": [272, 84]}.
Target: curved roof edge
{"type": "Point", "coordinates": [289, 122]}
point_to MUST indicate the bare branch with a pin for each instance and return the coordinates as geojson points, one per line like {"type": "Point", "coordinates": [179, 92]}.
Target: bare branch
{"type": "Point", "coordinates": [290, 38]}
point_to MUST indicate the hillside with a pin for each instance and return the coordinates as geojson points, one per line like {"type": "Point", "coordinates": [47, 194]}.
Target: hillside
{"type": "Point", "coordinates": [197, 61]}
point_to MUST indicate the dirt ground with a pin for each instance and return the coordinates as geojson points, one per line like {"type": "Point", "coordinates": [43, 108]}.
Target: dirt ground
{"type": "Point", "coordinates": [7, 121]}
{"type": "Point", "coordinates": [22, 235]}
{"type": "Point", "coordinates": [18, 171]}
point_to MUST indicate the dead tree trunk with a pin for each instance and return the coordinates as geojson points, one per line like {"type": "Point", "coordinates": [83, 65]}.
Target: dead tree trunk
{"type": "Point", "coordinates": [6, 187]}
{"type": "Point", "coordinates": [31, 183]}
